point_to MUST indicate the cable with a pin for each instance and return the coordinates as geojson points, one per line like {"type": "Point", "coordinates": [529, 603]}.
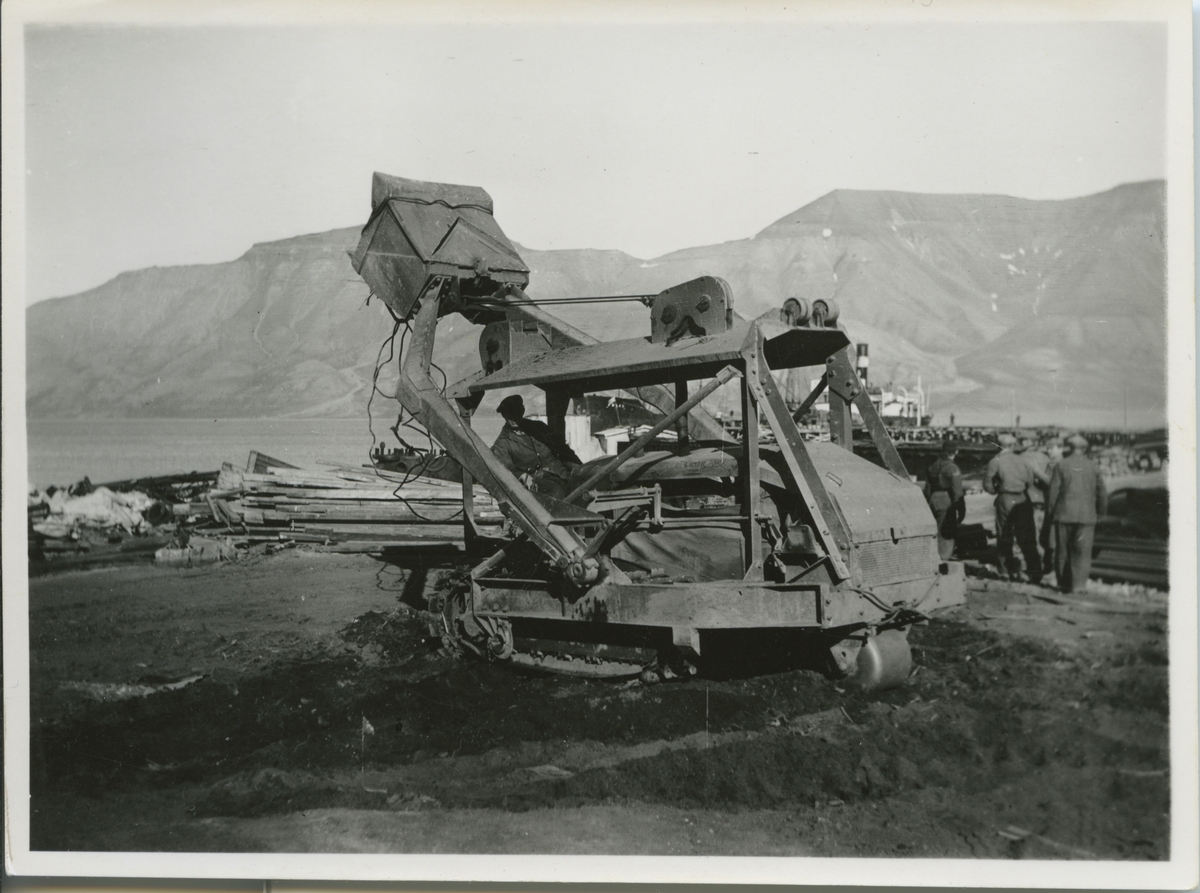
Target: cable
{"type": "Point", "coordinates": [445, 380]}
{"type": "Point", "coordinates": [419, 467]}
{"type": "Point", "coordinates": [897, 615]}
{"type": "Point", "coordinates": [390, 343]}
{"type": "Point", "coordinates": [395, 429]}
{"type": "Point", "coordinates": [872, 598]}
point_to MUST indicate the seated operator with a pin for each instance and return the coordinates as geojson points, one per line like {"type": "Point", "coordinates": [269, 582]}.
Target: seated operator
{"type": "Point", "coordinates": [530, 450]}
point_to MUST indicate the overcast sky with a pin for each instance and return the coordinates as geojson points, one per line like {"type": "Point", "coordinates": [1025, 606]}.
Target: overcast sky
{"type": "Point", "coordinates": [162, 146]}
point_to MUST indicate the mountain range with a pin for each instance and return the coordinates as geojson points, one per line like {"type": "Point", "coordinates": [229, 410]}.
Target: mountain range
{"type": "Point", "coordinates": [1051, 310]}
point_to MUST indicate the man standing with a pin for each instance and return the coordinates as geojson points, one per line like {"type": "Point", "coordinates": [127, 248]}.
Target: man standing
{"type": "Point", "coordinates": [1054, 453]}
{"type": "Point", "coordinates": [1039, 464]}
{"type": "Point", "coordinates": [944, 491]}
{"type": "Point", "coordinates": [530, 450]}
{"type": "Point", "coordinates": [1009, 477]}
{"type": "Point", "coordinates": [1077, 498]}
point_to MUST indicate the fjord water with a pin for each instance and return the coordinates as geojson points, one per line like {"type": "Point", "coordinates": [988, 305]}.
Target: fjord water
{"type": "Point", "coordinates": [62, 451]}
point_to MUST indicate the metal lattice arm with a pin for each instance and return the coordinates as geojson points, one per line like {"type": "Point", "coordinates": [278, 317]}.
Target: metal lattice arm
{"type": "Point", "coordinates": [418, 393]}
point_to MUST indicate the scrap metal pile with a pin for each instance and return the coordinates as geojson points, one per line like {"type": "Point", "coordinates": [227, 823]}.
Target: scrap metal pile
{"type": "Point", "coordinates": [118, 519]}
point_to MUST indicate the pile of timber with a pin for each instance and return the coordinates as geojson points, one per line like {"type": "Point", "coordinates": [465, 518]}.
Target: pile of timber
{"type": "Point", "coordinates": [337, 505]}
{"type": "Point", "coordinates": [166, 488]}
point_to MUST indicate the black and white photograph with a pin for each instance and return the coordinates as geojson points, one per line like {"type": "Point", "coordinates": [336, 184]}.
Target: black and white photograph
{"type": "Point", "coordinates": [511, 441]}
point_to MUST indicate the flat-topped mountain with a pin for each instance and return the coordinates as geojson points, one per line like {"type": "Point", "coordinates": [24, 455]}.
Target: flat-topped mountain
{"type": "Point", "coordinates": [1053, 308]}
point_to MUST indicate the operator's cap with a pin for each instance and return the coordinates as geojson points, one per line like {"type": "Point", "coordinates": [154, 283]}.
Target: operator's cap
{"type": "Point", "coordinates": [1026, 437]}
{"type": "Point", "coordinates": [949, 447]}
{"type": "Point", "coordinates": [1078, 441]}
{"type": "Point", "coordinates": [512, 405]}
{"type": "Point", "coordinates": [1006, 440]}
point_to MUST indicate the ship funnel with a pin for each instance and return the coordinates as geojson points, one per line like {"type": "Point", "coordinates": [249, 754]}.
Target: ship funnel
{"type": "Point", "coordinates": [863, 363]}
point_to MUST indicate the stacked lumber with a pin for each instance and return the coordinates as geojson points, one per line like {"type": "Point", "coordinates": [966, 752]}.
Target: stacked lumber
{"type": "Point", "coordinates": [338, 504]}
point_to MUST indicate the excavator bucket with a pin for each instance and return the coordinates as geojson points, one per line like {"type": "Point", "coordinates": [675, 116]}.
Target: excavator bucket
{"type": "Point", "coordinates": [420, 230]}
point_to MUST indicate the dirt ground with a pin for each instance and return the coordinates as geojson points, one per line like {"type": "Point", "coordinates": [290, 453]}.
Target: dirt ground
{"type": "Point", "coordinates": [324, 719]}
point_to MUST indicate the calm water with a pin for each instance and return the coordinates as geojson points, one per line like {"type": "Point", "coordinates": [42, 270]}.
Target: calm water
{"type": "Point", "coordinates": [62, 451]}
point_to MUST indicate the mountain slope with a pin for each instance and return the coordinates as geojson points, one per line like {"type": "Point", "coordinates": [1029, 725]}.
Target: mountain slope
{"type": "Point", "coordinates": [280, 330]}
{"type": "Point", "coordinates": [1056, 307]}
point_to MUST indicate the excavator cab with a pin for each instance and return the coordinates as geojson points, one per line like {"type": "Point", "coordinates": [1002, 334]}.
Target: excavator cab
{"type": "Point", "coordinates": [669, 546]}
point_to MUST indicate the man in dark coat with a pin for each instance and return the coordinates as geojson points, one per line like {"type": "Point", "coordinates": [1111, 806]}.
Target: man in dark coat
{"type": "Point", "coordinates": [1009, 477]}
{"type": "Point", "coordinates": [1039, 463]}
{"type": "Point", "coordinates": [1077, 498]}
{"type": "Point", "coordinates": [530, 450]}
{"type": "Point", "coordinates": [1053, 449]}
{"type": "Point", "coordinates": [944, 491]}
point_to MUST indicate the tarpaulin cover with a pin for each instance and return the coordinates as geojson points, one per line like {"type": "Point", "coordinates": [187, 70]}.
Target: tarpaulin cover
{"type": "Point", "coordinates": [385, 186]}
{"type": "Point", "coordinates": [101, 508]}
{"type": "Point", "coordinates": [702, 553]}
{"type": "Point", "coordinates": [419, 229]}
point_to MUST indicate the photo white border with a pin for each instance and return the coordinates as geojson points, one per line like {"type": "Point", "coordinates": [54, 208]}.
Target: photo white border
{"type": "Point", "coordinates": [1180, 872]}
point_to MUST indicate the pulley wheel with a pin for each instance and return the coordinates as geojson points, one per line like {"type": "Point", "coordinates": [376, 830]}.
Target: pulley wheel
{"type": "Point", "coordinates": [827, 309]}
{"type": "Point", "coordinates": [884, 661]}
{"type": "Point", "coordinates": [796, 311]}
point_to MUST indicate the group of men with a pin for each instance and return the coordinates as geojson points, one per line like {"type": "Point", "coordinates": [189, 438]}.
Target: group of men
{"type": "Point", "coordinates": [1047, 502]}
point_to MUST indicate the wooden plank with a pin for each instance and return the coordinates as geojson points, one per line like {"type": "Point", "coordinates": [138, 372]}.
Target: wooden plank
{"type": "Point", "coordinates": [260, 462]}
{"type": "Point", "coordinates": [351, 504]}
{"type": "Point", "coordinates": [377, 546]}
{"type": "Point", "coordinates": [364, 497]}
{"type": "Point", "coordinates": [315, 518]}
{"type": "Point", "coordinates": [375, 527]}
{"type": "Point", "coordinates": [398, 515]}
{"type": "Point", "coordinates": [162, 480]}
{"type": "Point", "coordinates": [185, 509]}
{"type": "Point", "coordinates": [318, 482]}
{"type": "Point", "coordinates": [375, 531]}
{"type": "Point", "coordinates": [371, 473]}
{"type": "Point", "coordinates": [255, 498]}
{"type": "Point", "coordinates": [333, 482]}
